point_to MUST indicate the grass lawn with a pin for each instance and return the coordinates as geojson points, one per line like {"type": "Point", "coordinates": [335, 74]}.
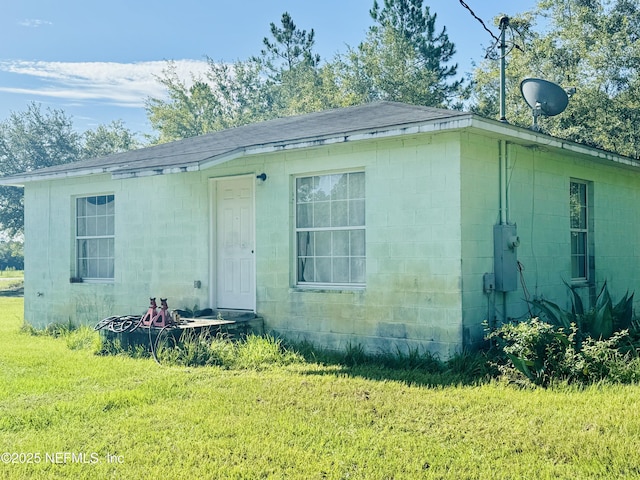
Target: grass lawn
{"type": "Point", "coordinates": [77, 415]}
{"type": "Point", "coordinates": [11, 282]}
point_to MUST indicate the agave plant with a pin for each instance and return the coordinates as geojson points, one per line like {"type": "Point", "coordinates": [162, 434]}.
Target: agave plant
{"type": "Point", "coordinates": [599, 322]}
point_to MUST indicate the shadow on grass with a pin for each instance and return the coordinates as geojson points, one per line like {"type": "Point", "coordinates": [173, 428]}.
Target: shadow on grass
{"type": "Point", "coordinates": [413, 368]}
{"type": "Point", "coordinates": [16, 291]}
{"type": "Point", "coordinates": [255, 352]}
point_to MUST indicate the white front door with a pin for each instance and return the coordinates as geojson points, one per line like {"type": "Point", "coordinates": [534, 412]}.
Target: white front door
{"type": "Point", "coordinates": [235, 244]}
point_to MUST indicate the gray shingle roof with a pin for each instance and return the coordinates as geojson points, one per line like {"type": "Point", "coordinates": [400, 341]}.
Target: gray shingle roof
{"type": "Point", "coordinates": [191, 152]}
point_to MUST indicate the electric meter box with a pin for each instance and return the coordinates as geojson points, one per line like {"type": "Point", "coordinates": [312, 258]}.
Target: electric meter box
{"type": "Point", "coordinates": [505, 258]}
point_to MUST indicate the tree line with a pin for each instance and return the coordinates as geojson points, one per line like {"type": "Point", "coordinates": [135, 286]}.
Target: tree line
{"type": "Point", "coordinates": [406, 56]}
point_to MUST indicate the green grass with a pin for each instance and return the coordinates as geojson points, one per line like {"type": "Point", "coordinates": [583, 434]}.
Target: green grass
{"type": "Point", "coordinates": [11, 281]}
{"type": "Point", "coordinates": [298, 420]}
{"type": "Point", "coordinates": [9, 273]}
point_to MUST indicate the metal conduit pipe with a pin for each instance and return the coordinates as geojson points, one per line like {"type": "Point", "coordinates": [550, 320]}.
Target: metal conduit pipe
{"type": "Point", "coordinates": [503, 160]}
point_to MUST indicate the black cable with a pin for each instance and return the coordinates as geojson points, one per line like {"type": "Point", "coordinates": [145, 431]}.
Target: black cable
{"type": "Point", "coordinates": [130, 323]}
{"type": "Point", "coordinates": [525, 290]}
{"type": "Point", "coordinates": [497, 40]}
{"type": "Point", "coordinates": [119, 324]}
{"type": "Point", "coordinates": [480, 20]}
{"type": "Point", "coordinates": [154, 345]}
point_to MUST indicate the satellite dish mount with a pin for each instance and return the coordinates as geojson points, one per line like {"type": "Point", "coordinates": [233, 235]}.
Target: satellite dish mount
{"type": "Point", "coordinates": [544, 98]}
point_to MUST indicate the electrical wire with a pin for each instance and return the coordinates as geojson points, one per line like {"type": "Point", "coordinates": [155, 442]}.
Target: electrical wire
{"type": "Point", "coordinates": [479, 20]}
{"type": "Point", "coordinates": [525, 290]}
{"type": "Point", "coordinates": [497, 40]}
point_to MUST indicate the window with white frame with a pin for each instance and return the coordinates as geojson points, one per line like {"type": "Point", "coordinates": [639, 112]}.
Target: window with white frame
{"type": "Point", "coordinates": [330, 229]}
{"type": "Point", "coordinates": [579, 218]}
{"type": "Point", "coordinates": [95, 237]}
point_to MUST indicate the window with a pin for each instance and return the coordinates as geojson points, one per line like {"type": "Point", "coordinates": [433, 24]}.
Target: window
{"type": "Point", "coordinates": [579, 218]}
{"type": "Point", "coordinates": [330, 229]}
{"type": "Point", "coordinates": [95, 237]}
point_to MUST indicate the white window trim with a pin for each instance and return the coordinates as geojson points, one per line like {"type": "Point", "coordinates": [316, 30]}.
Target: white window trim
{"type": "Point", "coordinates": [587, 233]}
{"type": "Point", "coordinates": [320, 286]}
{"type": "Point", "coordinates": [77, 237]}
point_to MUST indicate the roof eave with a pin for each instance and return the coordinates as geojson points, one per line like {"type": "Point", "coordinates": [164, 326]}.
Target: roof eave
{"type": "Point", "coordinates": [532, 137]}
{"type": "Point", "coordinates": [20, 180]}
{"type": "Point", "coordinates": [423, 127]}
{"type": "Point", "coordinates": [456, 122]}
{"type": "Point", "coordinates": [309, 142]}
{"type": "Point", "coordinates": [149, 172]}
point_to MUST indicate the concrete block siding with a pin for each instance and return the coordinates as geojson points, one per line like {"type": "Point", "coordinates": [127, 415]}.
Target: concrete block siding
{"type": "Point", "coordinates": [539, 204]}
{"type": "Point", "coordinates": [159, 248]}
{"type": "Point", "coordinates": [431, 202]}
{"type": "Point", "coordinates": [163, 244]}
{"type": "Point", "coordinates": [411, 269]}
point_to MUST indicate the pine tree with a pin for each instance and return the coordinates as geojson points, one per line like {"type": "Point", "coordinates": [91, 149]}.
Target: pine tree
{"type": "Point", "coordinates": [403, 58]}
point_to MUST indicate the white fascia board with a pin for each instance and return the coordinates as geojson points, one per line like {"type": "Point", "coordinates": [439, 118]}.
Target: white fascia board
{"type": "Point", "coordinates": [544, 140]}
{"type": "Point", "coordinates": [121, 172]}
{"type": "Point", "coordinates": [193, 167]}
{"type": "Point", "coordinates": [21, 180]}
{"type": "Point", "coordinates": [134, 173]}
{"type": "Point", "coordinates": [433, 126]}
{"type": "Point", "coordinates": [219, 159]}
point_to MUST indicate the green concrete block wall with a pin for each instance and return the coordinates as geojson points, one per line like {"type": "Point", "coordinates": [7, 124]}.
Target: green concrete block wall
{"type": "Point", "coordinates": [432, 201]}
{"type": "Point", "coordinates": [539, 204]}
{"type": "Point", "coordinates": [161, 247]}
{"type": "Point", "coordinates": [413, 230]}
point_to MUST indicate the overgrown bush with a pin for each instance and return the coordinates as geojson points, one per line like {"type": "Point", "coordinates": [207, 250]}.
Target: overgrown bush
{"type": "Point", "coordinates": [534, 348]}
{"type": "Point", "coordinates": [576, 345]}
{"type": "Point", "coordinates": [605, 359]}
{"type": "Point", "coordinates": [602, 320]}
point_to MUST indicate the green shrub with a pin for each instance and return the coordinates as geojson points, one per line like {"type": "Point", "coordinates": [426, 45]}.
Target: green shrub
{"type": "Point", "coordinates": [600, 321]}
{"type": "Point", "coordinates": [577, 345]}
{"type": "Point", "coordinates": [534, 348]}
{"type": "Point", "coordinates": [543, 354]}
{"type": "Point", "coordinates": [604, 359]}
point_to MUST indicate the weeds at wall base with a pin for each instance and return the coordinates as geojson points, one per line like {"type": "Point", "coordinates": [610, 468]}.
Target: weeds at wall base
{"type": "Point", "coordinates": [259, 352]}
{"type": "Point", "coordinates": [531, 353]}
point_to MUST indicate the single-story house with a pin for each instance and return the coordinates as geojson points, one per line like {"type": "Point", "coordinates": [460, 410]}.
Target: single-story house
{"type": "Point", "coordinates": [385, 225]}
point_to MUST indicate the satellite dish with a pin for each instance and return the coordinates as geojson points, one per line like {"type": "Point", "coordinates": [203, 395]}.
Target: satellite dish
{"type": "Point", "coordinates": [544, 98]}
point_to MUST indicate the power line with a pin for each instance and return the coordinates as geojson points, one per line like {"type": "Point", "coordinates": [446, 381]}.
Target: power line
{"type": "Point", "coordinates": [480, 20]}
{"type": "Point", "coordinates": [497, 40]}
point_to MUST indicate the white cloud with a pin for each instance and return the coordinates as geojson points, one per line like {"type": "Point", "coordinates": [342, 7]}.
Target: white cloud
{"type": "Point", "coordinates": [34, 22]}
{"type": "Point", "coordinates": [118, 84]}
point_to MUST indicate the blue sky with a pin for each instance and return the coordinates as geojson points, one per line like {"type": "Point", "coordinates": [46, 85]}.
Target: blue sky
{"type": "Point", "coordinates": [96, 60]}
